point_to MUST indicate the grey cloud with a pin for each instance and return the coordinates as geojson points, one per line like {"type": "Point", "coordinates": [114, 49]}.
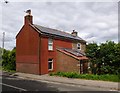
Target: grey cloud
{"type": "Point", "coordinates": [92, 20]}
{"type": "Point", "coordinates": [9, 45]}
{"type": "Point", "coordinates": [105, 7]}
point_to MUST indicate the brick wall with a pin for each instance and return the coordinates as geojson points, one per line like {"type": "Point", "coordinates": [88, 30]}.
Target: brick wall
{"type": "Point", "coordinates": [27, 48]}
{"type": "Point", "coordinates": [74, 45]}
{"type": "Point", "coordinates": [83, 46]}
{"type": "Point", "coordinates": [66, 63]}
{"type": "Point", "coordinates": [31, 68]}
{"type": "Point", "coordinates": [46, 54]}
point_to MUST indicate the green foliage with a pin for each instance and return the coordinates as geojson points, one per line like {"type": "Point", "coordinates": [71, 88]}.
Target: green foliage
{"type": "Point", "coordinates": [105, 77]}
{"type": "Point", "coordinates": [1, 55]}
{"type": "Point", "coordinates": [9, 59]}
{"type": "Point", "coordinates": [106, 56]}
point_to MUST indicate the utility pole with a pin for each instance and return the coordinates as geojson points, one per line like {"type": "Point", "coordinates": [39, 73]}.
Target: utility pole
{"type": "Point", "coordinates": [3, 42]}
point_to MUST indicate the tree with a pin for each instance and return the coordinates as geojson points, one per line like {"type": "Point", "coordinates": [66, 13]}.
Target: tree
{"type": "Point", "coordinates": [9, 59]}
{"type": "Point", "coordinates": [0, 56]}
{"type": "Point", "coordinates": [91, 52]}
{"type": "Point", "coordinates": [106, 56]}
{"type": "Point", "coordinates": [5, 58]}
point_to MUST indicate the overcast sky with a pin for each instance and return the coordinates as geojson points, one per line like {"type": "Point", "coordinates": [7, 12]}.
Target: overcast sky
{"type": "Point", "coordinates": [94, 21]}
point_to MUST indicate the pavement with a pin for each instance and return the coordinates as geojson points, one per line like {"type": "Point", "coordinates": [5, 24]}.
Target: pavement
{"type": "Point", "coordinates": [64, 80]}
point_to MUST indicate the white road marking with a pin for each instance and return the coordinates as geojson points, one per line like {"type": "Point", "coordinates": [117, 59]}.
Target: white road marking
{"type": "Point", "coordinates": [13, 87]}
{"type": "Point", "coordinates": [114, 90]}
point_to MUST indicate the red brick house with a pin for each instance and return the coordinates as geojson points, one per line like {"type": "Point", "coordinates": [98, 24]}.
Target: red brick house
{"type": "Point", "coordinates": [40, 50]}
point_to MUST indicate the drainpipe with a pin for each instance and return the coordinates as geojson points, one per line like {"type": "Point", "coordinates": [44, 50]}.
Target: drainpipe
{"type": "Point", "coordinates": [39, 55]}
{"type": "Point", "coordinates": [80, 66]}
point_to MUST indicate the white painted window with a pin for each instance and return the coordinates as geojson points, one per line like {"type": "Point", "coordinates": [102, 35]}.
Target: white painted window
{"type": "Point", "coordinates": [79, 46]}
{"type": "Point", "coordinates": [50, 64]}
{"type": "Point", "coordinates": [50, 44]}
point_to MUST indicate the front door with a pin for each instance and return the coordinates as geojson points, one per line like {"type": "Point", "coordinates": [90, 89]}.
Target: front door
{"type": "Point", "coordinates": [83, 66]}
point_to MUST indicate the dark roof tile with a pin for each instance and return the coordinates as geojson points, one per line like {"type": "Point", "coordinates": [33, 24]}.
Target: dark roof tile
{"type": "Point", "coordinates": [73, 51]}
{"type": "Point", "coordinates": [56, 32]}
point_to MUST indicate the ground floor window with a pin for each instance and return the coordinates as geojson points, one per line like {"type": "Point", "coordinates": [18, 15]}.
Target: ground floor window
{"type": "Point", "coordinates": [50, 64]}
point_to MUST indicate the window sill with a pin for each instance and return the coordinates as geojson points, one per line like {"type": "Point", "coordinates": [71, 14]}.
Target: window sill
{"type": "Point", "coordinates": [50, 70]}
{"type": "Point", "coordinates": [79, 49]}
{"type": "Point", "coordinates": [50, 50]}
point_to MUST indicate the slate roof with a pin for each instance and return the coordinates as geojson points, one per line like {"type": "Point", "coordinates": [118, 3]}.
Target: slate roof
{"type": "Point", "coordinates": [46, 30]}
{"type": "Point", "coordinates": [74, 53]}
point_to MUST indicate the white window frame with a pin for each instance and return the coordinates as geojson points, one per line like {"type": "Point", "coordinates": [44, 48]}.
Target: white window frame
{"type": "Point", "coordinates": [79, 45]}
{"type": "Point", "coordinates": [50, 44]}
{"type": "Point", "coordinates": [50, 62]}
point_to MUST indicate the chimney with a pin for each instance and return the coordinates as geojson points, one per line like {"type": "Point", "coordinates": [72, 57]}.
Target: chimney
{"type": "Point", "coordinates": [28, 18]}
{"type": "Point", "coordinates": [74, 33]}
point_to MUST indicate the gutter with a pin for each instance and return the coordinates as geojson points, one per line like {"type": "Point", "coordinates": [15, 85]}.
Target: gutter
{"type": "Point", "coordinates": [39, 55]}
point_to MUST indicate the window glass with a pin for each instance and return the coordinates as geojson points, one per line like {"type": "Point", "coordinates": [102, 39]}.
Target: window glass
{"type": "Point", "coordinates": [78, 46]}
{"type": "Point", "coordinates": [50, 64]}
{"type": "Point", "coordinates": [50, 44]}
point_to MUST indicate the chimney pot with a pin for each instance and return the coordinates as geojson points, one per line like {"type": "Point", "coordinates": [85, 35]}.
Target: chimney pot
{"type": "Point", "coordinates": [74, 33]}
{"type": "Point", "coordinates": [28, 12]}
{"type": "Point", "coordinates": [28, 18]}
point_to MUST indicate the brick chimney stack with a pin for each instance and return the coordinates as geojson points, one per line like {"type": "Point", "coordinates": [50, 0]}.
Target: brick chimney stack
{"type": "Point", "coordinates": [28, 18]}
{"type": "Point", "coordinates": [74, 33]}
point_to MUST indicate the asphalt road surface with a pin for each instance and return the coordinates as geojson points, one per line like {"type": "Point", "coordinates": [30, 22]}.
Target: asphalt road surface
{"type": "Point", "coordinates": [13, 83]}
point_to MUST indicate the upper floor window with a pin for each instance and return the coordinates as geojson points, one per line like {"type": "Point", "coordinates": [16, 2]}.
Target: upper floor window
{"type": "Point", "coordinates": [79, 46]}
{"type": "Point", "coordinates": [50, 44]}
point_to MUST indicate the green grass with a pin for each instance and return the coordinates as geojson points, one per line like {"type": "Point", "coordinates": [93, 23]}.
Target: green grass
{"type": "Point", "coordinates": [106, 77]}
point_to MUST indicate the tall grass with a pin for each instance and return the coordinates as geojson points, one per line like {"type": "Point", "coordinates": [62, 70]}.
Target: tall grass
{"type": "Point", "coordinates": [105, 77]}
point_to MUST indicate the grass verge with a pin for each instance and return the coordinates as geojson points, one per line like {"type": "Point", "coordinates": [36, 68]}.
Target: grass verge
{"type": "Point", "coordinates": [106, 77]}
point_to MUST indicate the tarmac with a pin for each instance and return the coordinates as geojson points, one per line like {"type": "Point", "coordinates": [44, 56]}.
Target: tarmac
{"type": "Point", "coordinates": [64, 80]}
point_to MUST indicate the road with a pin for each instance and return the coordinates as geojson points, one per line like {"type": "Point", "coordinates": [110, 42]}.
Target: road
{"type": "Point", "coordinates": [13, 83]}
